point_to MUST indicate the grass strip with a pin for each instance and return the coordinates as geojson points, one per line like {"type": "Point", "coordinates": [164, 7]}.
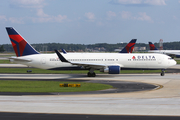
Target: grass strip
{"type": "Point", "coordinates": [48, 86]}
{"type": "Point", "coordinates": [178, 61]}
{"type": "Point", "coordinates": [5, 62]}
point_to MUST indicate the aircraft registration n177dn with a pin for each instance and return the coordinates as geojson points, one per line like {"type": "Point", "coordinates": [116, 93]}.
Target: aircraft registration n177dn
{"type": "Point", "coordinates": [111, 63]}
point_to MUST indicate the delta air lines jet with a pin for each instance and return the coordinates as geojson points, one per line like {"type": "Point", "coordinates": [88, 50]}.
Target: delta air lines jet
{"type": "Point", "coordinates": [172, 53]}
{"type": "Point", "coordinates": [111, 63]}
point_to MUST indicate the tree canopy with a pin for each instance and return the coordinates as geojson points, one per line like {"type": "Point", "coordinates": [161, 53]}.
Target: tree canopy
{"type": "Point", "coordinates": [98, 46]}
{"type": "Point", "coordinates": [2, 48]}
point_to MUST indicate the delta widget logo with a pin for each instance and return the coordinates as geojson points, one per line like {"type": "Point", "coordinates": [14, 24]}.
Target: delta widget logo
{"type": "Point", "coordinates": [143, 57]}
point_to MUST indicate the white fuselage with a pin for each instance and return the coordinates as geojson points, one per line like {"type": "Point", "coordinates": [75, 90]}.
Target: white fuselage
{"type": "Point", "coordinates": [133, 60]}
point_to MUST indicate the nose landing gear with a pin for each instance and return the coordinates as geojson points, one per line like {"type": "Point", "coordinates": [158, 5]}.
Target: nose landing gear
{"type": "Point", "coordinates": [162, 72]}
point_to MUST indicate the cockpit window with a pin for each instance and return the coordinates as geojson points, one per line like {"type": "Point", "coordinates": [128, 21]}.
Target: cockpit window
{"type": "Point", "coordinates": [169, 58]}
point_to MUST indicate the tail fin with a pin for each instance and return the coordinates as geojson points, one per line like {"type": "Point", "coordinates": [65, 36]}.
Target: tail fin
{"type": "Point", "coordinates": [152, 46]}
{"type": "Point", "coordinates": [20, 45]}
{"type": "Point", "coordinates": [129, 47]}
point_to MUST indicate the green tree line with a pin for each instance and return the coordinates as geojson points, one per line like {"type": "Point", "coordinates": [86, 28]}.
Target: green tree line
{"type": "Point", "coordinates": [83, 47]}
{"type": "Point", "coordinates": [2, 48]}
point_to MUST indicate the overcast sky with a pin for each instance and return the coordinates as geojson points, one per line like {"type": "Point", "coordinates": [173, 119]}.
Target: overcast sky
{"type": "Point", "coordinates": [91, 21]}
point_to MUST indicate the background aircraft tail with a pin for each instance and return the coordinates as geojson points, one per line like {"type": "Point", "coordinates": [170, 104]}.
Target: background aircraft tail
{"type": "Point", "coordinates": [20, 45]}
{"type": "Point", "coordinates": [129, 47]}
{"type": "Point", "coordinates": [152, 46]}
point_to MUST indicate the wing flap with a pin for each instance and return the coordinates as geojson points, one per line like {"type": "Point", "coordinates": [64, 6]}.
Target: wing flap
{"type": "Point", "coordinates": [94, 65]}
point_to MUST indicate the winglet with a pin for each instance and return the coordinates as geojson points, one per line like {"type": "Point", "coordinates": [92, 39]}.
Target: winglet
{"type": "Point", "coordinates": [152, 46]}
{"type": "Point", "coordinates": [61, 57]}
{"type": "Point", "coordinates": [64, 51]}
{"type": "Point", "coordinates": [129, 47]}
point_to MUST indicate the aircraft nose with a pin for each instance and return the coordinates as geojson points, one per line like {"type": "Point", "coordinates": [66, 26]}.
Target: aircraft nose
{"type": "Point", "coordinates": [173, 62]}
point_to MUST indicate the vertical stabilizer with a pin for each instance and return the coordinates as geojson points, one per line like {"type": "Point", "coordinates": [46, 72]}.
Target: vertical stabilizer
{"type": "Point", "coordinates": [152, 46]}
{"type": "Point", "coordinates": [20, 45]}
{"type": "Point", "coordinates": [129, 47]}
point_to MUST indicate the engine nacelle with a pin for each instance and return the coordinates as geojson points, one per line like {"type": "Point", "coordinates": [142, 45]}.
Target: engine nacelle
{"type": "Point", "coordinates": [112, 70]}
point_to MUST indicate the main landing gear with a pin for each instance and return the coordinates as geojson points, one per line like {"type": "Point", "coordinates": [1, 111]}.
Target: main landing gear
{"type": "Point", "coordinates": [91, 73]}
{"type": "Point", "coordinates": [162, 72]}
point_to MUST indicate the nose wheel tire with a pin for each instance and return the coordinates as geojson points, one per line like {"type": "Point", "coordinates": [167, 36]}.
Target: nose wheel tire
{"type": "Point", "coordinates": [162, 73]}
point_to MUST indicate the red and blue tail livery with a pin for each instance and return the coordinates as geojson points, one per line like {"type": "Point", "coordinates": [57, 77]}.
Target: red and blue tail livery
{"type": "Point", "coordinates": [129, 47]}
{"type": "Point", "coordinates": [20, 45]}
{"type": "Point", "coordinates": [152, 46]}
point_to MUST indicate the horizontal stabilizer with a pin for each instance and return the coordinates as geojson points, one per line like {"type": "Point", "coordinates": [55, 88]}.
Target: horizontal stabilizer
{"type": "Point", "coordinates": [19, 59]}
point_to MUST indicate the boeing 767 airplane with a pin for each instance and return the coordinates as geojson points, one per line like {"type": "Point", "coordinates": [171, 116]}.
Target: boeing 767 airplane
{"type": "Point", "coordinates": [111, 63]}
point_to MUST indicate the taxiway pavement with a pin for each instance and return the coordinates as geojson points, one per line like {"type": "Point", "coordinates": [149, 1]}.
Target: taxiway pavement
{"type": "Point", "coordinates": [161, 102]}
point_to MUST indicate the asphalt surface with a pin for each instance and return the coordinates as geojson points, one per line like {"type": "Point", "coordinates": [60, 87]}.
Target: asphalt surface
{"type": "Point", "coordinates": [151, 104]}
{"type": "Point", "coordinates": [118, 87]}
{"type": "Point", "coordinates": [35, 116]}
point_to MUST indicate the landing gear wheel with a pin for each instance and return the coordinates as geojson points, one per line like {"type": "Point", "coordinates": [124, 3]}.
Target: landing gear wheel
{"type": "Point", "coordinates": [91, 74]}
{"type": "Point", "coordinates": [162, 73]}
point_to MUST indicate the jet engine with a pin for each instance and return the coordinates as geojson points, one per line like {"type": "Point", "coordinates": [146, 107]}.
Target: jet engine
{"type": "Point", "coordinates": [111, 70]}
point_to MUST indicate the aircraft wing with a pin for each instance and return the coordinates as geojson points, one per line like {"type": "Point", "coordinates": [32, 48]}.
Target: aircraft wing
{"type": "Point", "coordinates": [89, 65]}
{"type": "Point", "coordinates": [172, 54]}
{"type": "Point", "coordinates": [94, 65]}
{"type": "Point", "coordinates": [84, 64]}
{"type": "Point", "coordinates": [19, 59]}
